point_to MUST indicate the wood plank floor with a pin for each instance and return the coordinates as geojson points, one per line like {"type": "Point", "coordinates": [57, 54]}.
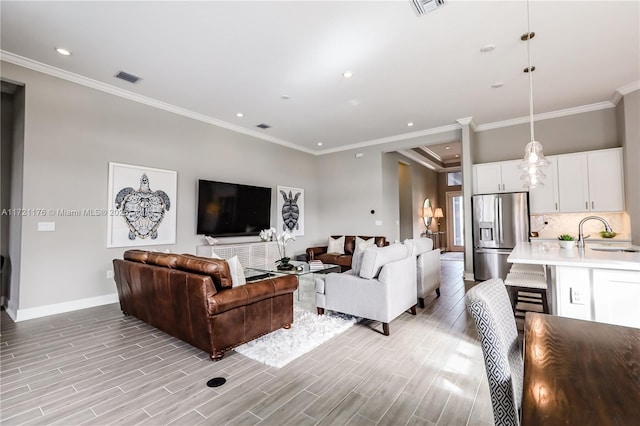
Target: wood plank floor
{"type": "Point", "coordinates": [98, 367]}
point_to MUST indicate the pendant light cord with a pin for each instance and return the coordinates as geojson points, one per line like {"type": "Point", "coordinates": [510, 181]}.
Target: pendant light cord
{"type": "Point", "coordinates": [530, 73]}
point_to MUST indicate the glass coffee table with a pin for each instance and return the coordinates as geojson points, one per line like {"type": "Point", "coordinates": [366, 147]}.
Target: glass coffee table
{"type": "Point", "coordinates": [300, 269]}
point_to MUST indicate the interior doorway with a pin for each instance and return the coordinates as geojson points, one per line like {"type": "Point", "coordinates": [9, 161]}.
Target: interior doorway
{"type": "Point", "coordinates": [405, 202]}
{"type": "Point", "coordinates": [455, 223]}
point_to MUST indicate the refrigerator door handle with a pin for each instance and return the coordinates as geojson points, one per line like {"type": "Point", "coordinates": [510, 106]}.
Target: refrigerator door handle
{"type": "Point", "coordinates": [492, 251]}
{"type": "Point", "coordinates": [501, 239]}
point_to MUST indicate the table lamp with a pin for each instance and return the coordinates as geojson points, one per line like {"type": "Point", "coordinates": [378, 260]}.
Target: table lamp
{"type": "Point", "coordinates": [438, 214]}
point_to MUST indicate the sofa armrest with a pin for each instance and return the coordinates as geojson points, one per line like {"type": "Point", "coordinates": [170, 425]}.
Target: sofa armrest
{"type": "Point", "coordinates": [312, 252]}
{"type": "Point", "coordinates": [251, 292]}
{"type": "Point", "coordinates": [428, 272]}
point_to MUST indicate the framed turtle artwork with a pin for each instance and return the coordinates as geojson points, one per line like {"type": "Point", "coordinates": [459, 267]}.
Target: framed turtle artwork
{"type": "Point", "coordinates": [141, 206]}
{"type": "Point", "coordinates": [290, 210]}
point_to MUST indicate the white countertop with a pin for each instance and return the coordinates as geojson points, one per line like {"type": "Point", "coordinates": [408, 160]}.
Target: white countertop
{"type": "Point", "coordinates": [550, 253]}
{"type": "Point", "coordinates": [593, 238]}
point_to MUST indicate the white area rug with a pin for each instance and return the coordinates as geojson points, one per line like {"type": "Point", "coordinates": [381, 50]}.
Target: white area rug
{"type": "Point", "coordinates": [308, 331]}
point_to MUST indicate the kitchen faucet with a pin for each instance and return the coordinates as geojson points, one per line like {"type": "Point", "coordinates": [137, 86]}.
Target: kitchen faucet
{"type": "Point", "coordinates": [580, 236]}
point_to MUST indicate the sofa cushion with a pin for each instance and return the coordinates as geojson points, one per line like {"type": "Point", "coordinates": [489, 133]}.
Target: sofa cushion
{"type": "Point", "coordinates": [358, 254]}
{"type": "Point", "coordinates": [168, 260]}
{"type": "Point", "coordinates": [376, 257]}
{"type": "Point", "coordinates": [336, 245]}
{"type": "Point", "coordinates": [136, 255]}
{"type": "Point", "coordinates": [418, 246]}
{"type": "Point", "coordinates": [217, 269]}
{"type": "Point", "coordinates": [335, 259]}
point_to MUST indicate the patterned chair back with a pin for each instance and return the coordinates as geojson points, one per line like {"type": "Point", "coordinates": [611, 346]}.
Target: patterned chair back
{"type": "Point", "coordinates": [489, 305]}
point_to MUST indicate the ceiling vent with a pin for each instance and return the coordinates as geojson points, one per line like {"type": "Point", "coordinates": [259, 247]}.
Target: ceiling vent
{"type": "Point", "coordinates": [425, 6]}
{"type": "Point", "coordinates": [128, 77]}
{"type": "Point", "coordinates": [263, 126]}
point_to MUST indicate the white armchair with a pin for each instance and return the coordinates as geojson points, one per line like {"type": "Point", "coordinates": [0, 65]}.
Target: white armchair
{"type": "Point", "coordinates": [428, 267]}
{"type": "Point", "coordinates": [383, 288]}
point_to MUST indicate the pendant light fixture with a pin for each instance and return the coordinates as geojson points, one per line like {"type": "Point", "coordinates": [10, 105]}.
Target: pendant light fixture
{"type": "Point", "coordinates": [534, 160]}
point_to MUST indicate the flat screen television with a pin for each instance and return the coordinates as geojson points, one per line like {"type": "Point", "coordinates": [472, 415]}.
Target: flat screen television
{"type": "Point", "coordinates": [230, 209]}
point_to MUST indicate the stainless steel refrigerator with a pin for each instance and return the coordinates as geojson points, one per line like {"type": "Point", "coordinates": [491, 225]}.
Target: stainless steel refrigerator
{"type": "Point", "coordinates": [500, 221]}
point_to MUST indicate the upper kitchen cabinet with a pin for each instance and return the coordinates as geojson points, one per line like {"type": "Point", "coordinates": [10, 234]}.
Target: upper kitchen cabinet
{"type": "Point", "coordinates": [591, 181]}
{"type": "Point", "coordinates": [503, 176]}
{"type": "Point", "coordinates": [544, 198]}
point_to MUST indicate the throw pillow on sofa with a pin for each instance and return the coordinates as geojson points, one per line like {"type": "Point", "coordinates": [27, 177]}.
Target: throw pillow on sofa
{"type": "Point", "coordinates": [237, 272]}
{"type": "Point", "coordinates": [361, 245]}
{"type": "Point", "coordinates": [376, 257]}
{"type": "Point", "coordinates": [336, 245]}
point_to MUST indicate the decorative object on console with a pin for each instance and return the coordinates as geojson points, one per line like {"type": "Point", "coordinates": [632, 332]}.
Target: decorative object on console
{"type": "Point", "coordinates": [268, 234]}
{"type": "Point", "coordinates": [142, 216]}
{"type": "Point", "coordinates": [210, 240]}
{"type": "Point", "coordinates": [438, 215]}
{"type": "Point", "coordinates": [290, 208]}
{"type": "Point", "coordinates": [534, 160]}
{"type": "Point", "coordinates": [283, 263]}
{"type": "Point", "coordinates": [427, 213]}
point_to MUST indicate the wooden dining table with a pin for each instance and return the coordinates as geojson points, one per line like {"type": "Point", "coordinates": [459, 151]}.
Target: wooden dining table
{"type": "Point", "coordinates": [580, 372]}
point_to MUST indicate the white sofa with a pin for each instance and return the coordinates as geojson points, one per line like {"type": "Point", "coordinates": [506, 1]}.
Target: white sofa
{"type": "Point", "coordinates": [428, 267]}
{"type": "Point", "coordinates": [380, 288]}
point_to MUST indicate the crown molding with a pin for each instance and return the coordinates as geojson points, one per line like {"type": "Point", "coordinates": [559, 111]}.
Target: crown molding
{"type": "Point", "coordinates": [396, 138]}
{"type": "Point", "coordinates": [546, 115]}
{"type": "Point", "coordinates": [116, 91]}
{"type": "Point", "coordinates": [420, 160]}
{"type": "Point", "coordinates": [467, 121]}
{"type": "Point", "coordinates": [624, 90]}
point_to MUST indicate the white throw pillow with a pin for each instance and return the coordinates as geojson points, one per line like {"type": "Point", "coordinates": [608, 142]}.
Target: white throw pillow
{"type": "Point", "coordinates": [237, 272]}
{"type": "Point", "coordinates": [361, 245]}
{"type": "Point", "coordinates": [376, 257]}
{"type": "Point", "coordinates": [336, 245]}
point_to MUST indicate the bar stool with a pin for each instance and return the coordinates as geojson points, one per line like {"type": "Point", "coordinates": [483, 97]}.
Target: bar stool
{"type": "Point", "coordinates": [527, 286]}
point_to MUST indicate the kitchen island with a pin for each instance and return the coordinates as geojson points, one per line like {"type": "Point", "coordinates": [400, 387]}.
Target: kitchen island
{"type": "Point", "coordinates": [597, 283]}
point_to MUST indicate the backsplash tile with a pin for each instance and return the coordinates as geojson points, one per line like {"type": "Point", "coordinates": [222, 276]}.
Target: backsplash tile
{"type": "Point", "coordinates": [567, 223]}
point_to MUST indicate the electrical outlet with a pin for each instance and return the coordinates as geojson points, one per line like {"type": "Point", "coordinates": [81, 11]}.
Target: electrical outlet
{"type": "Point", "coordinates": [109, 274]}
{"type": "Point", "coordinates": [577, 297]}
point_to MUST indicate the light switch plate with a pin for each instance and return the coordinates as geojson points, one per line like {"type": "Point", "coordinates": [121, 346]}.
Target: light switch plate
{"type": "Point", "coordinates": [46, 226]}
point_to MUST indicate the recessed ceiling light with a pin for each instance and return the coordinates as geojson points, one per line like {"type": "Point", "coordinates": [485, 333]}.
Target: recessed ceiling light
{"type": "Point", "coordinates": [239, 115]}
{"type": "Point", "coordinates": [457, 155]}
{"type": "Point", "coordinates": [447, 147]}
{"type": "Point", "coordinates": [347, 74]}
{"type": "Point", "coordinates": [497, 85]}
{"type": "Point", "coordinates": [285, 97]}
{"type": "Point", "coordinates": [487, 48]}
{"type": "Point", "coordinates": [410, 124]}
{"type": "Point", "coordinates": [63, 51]}
{"type": "Point", "coordinates": [319, 144]}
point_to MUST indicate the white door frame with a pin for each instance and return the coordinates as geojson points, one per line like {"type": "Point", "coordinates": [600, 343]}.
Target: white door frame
{"type": "Point", "coordinates": [449, 213]}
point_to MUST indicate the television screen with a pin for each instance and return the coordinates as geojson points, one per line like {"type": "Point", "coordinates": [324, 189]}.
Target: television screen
{"type": "Point", "coordinates": [229, 209]}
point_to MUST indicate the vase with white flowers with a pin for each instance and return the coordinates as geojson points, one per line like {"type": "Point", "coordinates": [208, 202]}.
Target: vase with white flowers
{"type": "Point", "coordinates": [283, 263]}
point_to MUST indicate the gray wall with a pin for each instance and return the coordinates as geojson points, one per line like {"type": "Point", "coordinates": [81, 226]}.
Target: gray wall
{"type": "Point", "coordinates": [574, 133]}
{"type": "Point", "coordinates": [405, 202]}
{"type": "Point", "coordinates": [73, 132]}
{"type": "Point", "coordinates": [629, 130]}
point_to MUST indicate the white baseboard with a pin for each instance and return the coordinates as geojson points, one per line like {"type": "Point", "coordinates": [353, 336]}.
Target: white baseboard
{"type": "Point", "coordinates": [59, 308]}
{"type": "Point", "coordinates": [468, 276]}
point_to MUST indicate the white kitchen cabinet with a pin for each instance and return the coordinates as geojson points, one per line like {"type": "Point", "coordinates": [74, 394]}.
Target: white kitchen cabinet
{"type": "Point", "coordinates": [503, 176]}
{"type": "Point", "coordinates": [616, 296]}
{"type": "Point", "coordinates": [591, 181]}
{"type": "Point", "coordinates": [544, 198]}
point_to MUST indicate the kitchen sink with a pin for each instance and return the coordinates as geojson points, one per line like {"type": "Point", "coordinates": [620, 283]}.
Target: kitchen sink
{"type": "Point", "coordinates": [619, 249]}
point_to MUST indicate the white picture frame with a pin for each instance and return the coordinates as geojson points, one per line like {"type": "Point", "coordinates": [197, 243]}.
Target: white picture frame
{"type": "Point", "coordinates": [154, 225]}
{"type": "Point", "coordinates": [294, 198]}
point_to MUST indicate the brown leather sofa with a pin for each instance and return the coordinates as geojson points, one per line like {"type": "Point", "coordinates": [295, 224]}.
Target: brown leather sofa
{"type": "Point", "coordinates": [191, 298]}
{"type": "Point", "coordinates": [344, 260]}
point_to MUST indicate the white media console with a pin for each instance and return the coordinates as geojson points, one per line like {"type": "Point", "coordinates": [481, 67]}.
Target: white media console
{"type": "Point", "coordinates": [254, 254]}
